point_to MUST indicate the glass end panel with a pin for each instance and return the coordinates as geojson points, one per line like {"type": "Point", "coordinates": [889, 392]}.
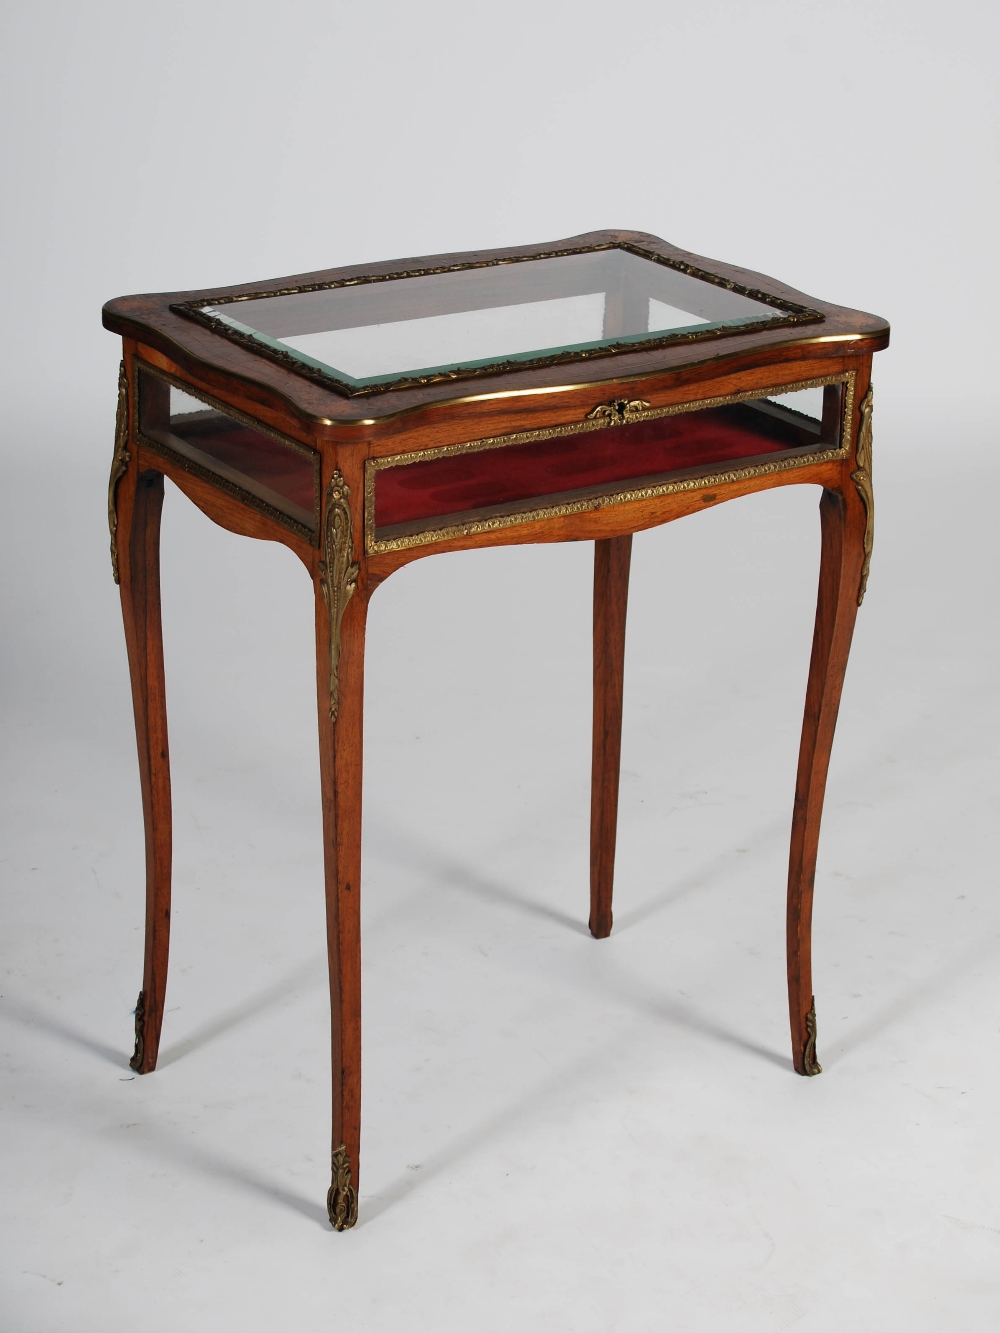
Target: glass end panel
{"type": "Point", "coordinates": [371, 333]}
{"type": "Point", "coordinates": [281, 474]}
{"type": "Point", "coordinates": [457, 487]}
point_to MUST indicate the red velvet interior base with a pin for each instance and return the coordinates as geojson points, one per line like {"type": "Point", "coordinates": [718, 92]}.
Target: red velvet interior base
{"type": "Point", "coordinates": [472, 481]}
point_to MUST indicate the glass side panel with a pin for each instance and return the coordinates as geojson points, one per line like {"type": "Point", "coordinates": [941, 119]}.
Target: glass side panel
{"type": "Point", "coordinates": [371, 333]}
{"type": "Point", "coordinates": [282, 475]}
{"type": "Point", "coordinates": [416, 497]}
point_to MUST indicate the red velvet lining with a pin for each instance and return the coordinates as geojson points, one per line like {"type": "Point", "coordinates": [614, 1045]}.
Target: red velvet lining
{"type": "Point", "coordinates": [257, 457]}
{"type": "Point", "coordinates": [464, 482]}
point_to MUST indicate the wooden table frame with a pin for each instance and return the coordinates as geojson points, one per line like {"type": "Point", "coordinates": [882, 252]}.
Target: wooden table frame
{"type": "Point", "coordinates": [351, 437]}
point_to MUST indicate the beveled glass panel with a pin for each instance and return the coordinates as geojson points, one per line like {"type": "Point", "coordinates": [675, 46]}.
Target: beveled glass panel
{"type": "Point", "coordinates": [281, 473]}
{"type": "Point", "coordinates": [371, 333]}
{"type": "Point", "coordinates": [461, 486]}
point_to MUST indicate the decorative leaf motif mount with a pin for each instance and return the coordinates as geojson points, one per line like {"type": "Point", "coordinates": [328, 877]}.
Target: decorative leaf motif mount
{"type": "Point", "coordinates": [139, 1054]}
{"type": "Point", "coordinates": [342, 1197]}
{"type": "Point", "coordinates": [862, 478]}
{"type": "Point", "coordinates": [119, 465]}
{"type": "Point", "coordinates": [810, 1065]}
{"type": "Point", "coordinates": [619, 412]}
{"type": "Point", "coordinates": [338, 572]}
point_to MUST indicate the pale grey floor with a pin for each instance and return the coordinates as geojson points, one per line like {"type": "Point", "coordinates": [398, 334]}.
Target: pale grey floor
{"type": "Point", "coordinates": [559, 1133]}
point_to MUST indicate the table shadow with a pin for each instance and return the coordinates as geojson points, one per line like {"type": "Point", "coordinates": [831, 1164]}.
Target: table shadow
{"type": "Point", "coordinates": [189, 1155]}
{"type": "Point", "coordinates": [405, 849]}
{"type": "Point", "coordinates": [462, 1145]}
{"type": "Point", "coordinates": [303, 977]}
{"type": "Point", "coordinates": [701, 877]}
{"type": "Point", "coordinates": [29, 1015]}
{"type": "Point", "coordinates": [909, 999]}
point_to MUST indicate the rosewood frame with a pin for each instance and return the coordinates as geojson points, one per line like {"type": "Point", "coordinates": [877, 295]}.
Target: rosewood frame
{"type": "Point", "coordinates": [351, 441]}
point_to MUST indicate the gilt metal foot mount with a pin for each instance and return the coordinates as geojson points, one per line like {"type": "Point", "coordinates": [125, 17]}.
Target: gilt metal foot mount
{"type": "Point", "coordinates": [810, 1065]}
{"type": "Point", "coordinates": [342, 1197]}
{"type": "Point", "coordinates": [140, 1034]}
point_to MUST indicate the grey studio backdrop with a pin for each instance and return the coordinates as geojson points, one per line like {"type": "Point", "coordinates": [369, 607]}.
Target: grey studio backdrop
{"type": "Point", "coordinates": [560, 1134]}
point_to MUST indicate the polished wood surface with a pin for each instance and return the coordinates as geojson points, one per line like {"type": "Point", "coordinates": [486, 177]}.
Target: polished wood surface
{"type": "Point", "coordinates": [842, 519]}
{"type": "Point", "coordinates": [150, 320]}
{"type": "Point", "coordinates": [401, 423]}
{"type": "Point", "coordinates": [612, 559]}
{"type": "Point", "coordinates": [340, 748]}
{"type": "Point", "coordinates": [140, 501]}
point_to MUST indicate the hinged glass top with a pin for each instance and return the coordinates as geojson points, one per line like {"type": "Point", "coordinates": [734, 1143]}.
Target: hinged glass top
{"type": "Point", "coordinates": [371, 333]}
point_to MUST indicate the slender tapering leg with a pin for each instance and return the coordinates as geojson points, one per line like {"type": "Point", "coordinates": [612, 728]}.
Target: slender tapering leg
{"type": "Point", "coordinates": [612, 557]}
{"type": "Point", "coordinates": [845, 530]}
{"type": "Point", "coordinates": [341, 612]}
{"type": "Point", "coordinates": [138, 502]}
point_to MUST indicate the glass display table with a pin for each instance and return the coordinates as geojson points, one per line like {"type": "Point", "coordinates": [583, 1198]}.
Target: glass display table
{"type": "Point", "coordinates": [366, 417]}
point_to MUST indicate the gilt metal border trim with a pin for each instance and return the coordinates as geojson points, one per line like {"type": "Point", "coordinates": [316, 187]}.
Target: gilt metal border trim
{"type": "Point", "coordinates": [592, 422]}
{"type": "Point", "coordinates": [794, 313]}
{"type": "Point", "coordinates": [338, 572]}
{"type": "Point", "coordinates": [862, 478]}
{"type": "Point", "coordinates": [119, 464]}
{"type": "Point", "coordinates": [311, 535]}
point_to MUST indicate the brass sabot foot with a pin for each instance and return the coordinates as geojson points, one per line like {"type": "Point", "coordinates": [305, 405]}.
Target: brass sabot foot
{"type": "Point", "coordinates": [140, 1034]}
{"type": "Point", "coordinates": [810, 1065]}
{"type": "Point", "coordinates": [342, 1197]}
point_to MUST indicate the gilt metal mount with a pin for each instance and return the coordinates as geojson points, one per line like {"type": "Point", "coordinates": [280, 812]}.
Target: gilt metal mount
{"type": "Point", "coordinates": [810, 1065]}
{"type": "Point", "coordinates": [862, 478]}
{"type": "Point", "coordinates": [338, 572]}
{"type": "Point", "coordinates": [342, 1197]}
{"type": "Point", "coordinates": [119, 464]}
{"type": "Point", "coordinates": [619, 412]}
{"type": "Point", "coordinates": [138, 1055]}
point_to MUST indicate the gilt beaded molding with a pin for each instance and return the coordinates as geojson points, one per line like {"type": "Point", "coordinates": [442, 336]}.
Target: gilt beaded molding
{"type": "Point", "coordinates": [792, 313]}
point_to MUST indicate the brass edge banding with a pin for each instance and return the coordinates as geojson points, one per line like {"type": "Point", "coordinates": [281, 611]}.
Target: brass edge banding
{"type": "Point", "coordinates": [590, 423]}
{"type": "Point", "coordinates": [213, 478]}
{"type": "Point", "coordinates": [119, 464]}
{"type": "Point", "coordinates": [862, 478]}
{"type": "Point", "coordinates": [600, 422]}
{"type": "Point", "coordinates": [498, 395]}
{"type": "Point", "coordinates": [840, 337]}
{"type": "Point", "coordinates": [338, 572]}
{"type": "Point", "coordinates": [810, 1065]}
{"type": "Point", "coordinates": [539, 390]}
{"type": "Point", "coordinates": [342, 1197]}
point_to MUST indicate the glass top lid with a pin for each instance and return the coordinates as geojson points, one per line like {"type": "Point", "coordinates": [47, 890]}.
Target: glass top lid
{"type": "Point", "coordinates": [367, 335]}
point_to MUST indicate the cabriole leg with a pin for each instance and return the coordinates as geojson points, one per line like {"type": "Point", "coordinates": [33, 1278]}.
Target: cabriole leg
{"type": "Point", "coordinates": [845, 544]}
{"type": "Point", "coordinates": [341, 612]}
{"type": "Point", "coordinates": [139, 501]}
{"type": "Point", "coordinates": [612, 557]}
